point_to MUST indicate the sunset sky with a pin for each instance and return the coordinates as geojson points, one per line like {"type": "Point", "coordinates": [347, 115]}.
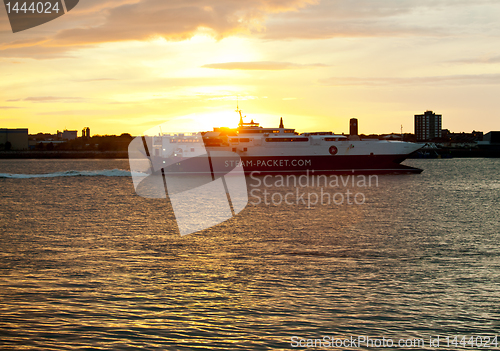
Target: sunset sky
{"type": "Point", "coordinates": [121, 66]}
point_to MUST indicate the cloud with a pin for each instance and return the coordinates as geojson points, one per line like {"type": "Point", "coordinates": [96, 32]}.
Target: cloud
{"type": "Point", "coordinates": [54, 99]}
{"type": "Point", "coordinates": [176, 20]}
{"type": "Point", "coordinates": [486, 60]}
{"type": "Point", "coordinates": [396, 18]}
{"type": "Point", "coordinates": [24, 43]}
{"type": "Point", "coordinates": [96, 80]}
{"type": "Point", "coordinates": [75, 113]}
{"type": "Point", "coordinates": [326, 29]}
{"type": "Point", "coordinates": [262, 65]}
{"type": "Point", "coordinates": [40, 52]}
{"type": "Point", "coordinates": [473, 79]}
{"type": "Point", "coordinates": [8, 107]}
{"type": "Point", "coordinates": [94, 22]}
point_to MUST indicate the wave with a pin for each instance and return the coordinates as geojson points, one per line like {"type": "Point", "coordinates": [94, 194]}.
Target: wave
{"type": "Point", "coordinates": [101, 173]}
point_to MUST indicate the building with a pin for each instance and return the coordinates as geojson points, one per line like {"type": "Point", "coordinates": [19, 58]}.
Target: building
{"type": "Point", "coordinates": [353, 126]}
{"type": "Point", "coordinates": [428, 126]}
{"type": "Point", "coordinates": [491, 143]}
{"type": "Point", "coordinates": [86, 132]}
{"type": "Point", "coordinates": [14, 139]}
{"type": "Point", "coordinates": [492, 137]}
{"type": "Point", "coordinates": [67, 134]}
{"type": "Point", "coordinates": [451, 138]}
{"type": "Point", "coordinates": [490, 140]}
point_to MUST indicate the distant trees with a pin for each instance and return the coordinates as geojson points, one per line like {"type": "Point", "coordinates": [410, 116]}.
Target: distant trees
{"type": "Point", "coordinates": [105, 146]}
{"type": "Point", "coordinates": [112, 142]}
{"type": "Point", "coordinates": [8, 146]}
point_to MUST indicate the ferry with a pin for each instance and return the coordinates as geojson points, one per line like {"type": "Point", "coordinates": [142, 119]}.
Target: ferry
{"type": "Point", "coordinates": [277, 151]}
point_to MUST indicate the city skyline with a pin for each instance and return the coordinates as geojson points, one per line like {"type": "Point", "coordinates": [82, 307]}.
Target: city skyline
{"type": "Point", "coordinates": [123, 66]}
{"type": "Point", "coordinates": [415, 132]}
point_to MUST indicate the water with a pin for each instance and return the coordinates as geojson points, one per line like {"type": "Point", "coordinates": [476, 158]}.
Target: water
{"type": "Point", "coordinates": [87, 264]}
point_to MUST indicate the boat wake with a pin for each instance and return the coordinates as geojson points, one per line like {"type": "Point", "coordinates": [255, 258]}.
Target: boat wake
{"type": "Point", "coordinates": [99, 173]}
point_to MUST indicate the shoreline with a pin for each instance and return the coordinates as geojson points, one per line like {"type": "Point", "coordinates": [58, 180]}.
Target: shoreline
{"type": "Point", "coordinates": [425, 153]}
{"type": "Point", "coordinates": [63, 155]}
{"type": "Point", "coordinates": [456, 153]}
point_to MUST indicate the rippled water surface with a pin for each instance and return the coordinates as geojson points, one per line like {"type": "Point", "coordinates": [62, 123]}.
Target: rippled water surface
{"type": "Point", "coordinates": [86, 263]}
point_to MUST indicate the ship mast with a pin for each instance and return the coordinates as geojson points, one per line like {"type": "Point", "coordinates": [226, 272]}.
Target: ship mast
{"type": "Point", "coordinates": [243, 124]}
{"type": "Point", "coordinates": [239, 111]}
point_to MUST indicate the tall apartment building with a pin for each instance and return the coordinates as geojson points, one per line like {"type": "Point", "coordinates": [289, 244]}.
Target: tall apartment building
{"type": "Point", "coordinates": [428, 126]}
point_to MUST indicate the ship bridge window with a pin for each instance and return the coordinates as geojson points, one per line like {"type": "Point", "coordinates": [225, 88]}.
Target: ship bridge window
{"type": "Point", "coordinates": [278, 140]}
{"type": "Point", "coordinates": [331, 139]}
{"type": "Point", "coordinates": [185, 140]}
{"type": "Point", "coordinates": [234, 140]}
{"type": "Point", "coordinates": [244, 140]}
